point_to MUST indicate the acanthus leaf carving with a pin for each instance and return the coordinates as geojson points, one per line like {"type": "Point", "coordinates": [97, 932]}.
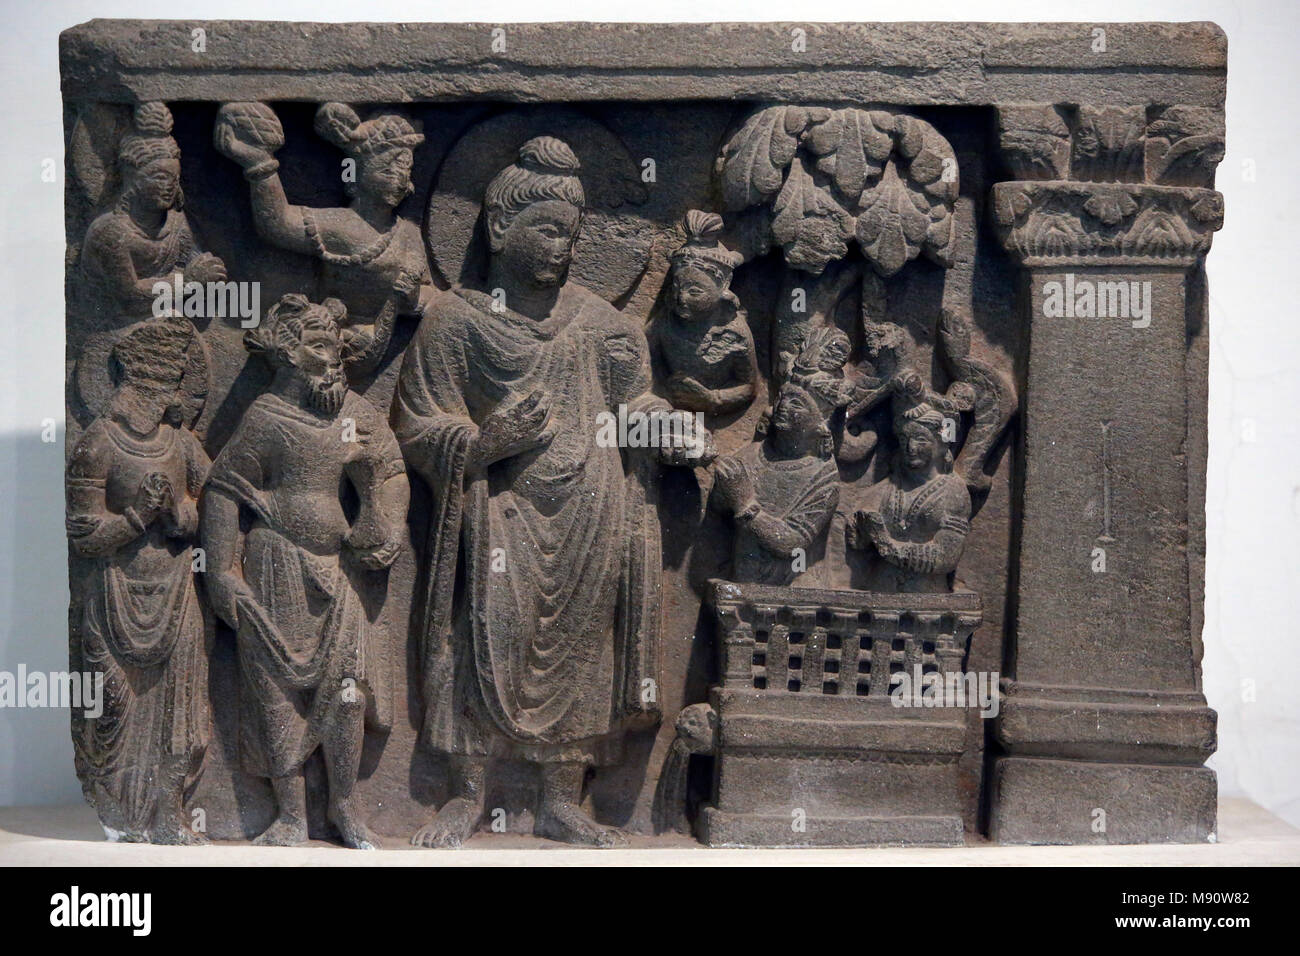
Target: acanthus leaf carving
{"type": "Point", "coordinates": [1035, 141]}
{"type": "Point", "coordinates": [1076, 223]}
{"type": "Point", "coordinates": [1110, 208]}
{"type": "Point", "coordinates": [888, 179]}
{"type": "Point", "coordinates": [753, 164]}
{"type": "Point", "coordinates": [1109, 143]}
{"type": "Point", "coordinates": [890, 228]}
{"type": "Point", "coordinates": [1184, 145]}
{"type": "Point", "coordinates": [811, 226]}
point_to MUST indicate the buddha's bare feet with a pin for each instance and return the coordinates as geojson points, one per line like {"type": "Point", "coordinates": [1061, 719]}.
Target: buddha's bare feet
{"type": "Point", "coordinates": [454, 824]}
{"type": "Point", "coordinates": [285, 831]}
{"type": "Point", "coordinates": [568, 824]}
{"type": "Point", "coordinates": [352, 830]}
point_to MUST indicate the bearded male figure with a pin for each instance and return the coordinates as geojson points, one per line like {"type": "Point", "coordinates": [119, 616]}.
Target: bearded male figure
{"type": "Point", "coordinates": [546, 654]}
{"type": "Point", "coordinates": [308, 677]}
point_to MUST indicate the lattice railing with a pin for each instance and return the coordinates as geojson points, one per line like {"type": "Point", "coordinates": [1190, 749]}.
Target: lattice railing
{"type": "Point", "coordinates": [841, 643]}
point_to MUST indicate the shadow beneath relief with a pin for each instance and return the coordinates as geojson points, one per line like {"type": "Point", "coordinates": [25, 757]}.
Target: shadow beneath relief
{"type": "Point", "coordinates": [75, 822]}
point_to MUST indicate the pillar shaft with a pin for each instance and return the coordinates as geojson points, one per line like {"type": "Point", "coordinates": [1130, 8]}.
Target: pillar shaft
{"type": "Point", "coordinates": [1103, 728]}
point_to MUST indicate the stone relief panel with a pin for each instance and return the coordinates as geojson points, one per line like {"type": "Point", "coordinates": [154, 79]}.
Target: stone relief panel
{"type": "Point", "coordinates": [288, 563]}
{"type": "Point", "coordinates": [606, 469]}
{"type": "Point", "coordinates": [368, 253]}
{"type": "Point", "coordinates": [134, 480]}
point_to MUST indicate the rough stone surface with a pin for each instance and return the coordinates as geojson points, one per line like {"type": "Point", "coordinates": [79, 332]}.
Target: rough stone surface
{"type": "Point", "coordinates": [785, 435]}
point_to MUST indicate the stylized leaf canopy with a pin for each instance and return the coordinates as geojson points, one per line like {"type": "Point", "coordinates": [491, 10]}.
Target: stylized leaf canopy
{"type": "Point", "coordinates": [888, 180]}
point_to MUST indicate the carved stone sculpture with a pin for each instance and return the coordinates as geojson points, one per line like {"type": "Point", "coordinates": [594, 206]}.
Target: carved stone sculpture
{"type": "Point", "coordinates": [372, 258]}
{"type": "Point", "coordinates": [841, 399]}
{"type": "Point", "coordinates": [786, 649]}
{"type": "Point", "coordinates": [918, 518]}
{"type": "Point", "coordinates": [1122, 222]}
{"type": "Point", "coordinates": [142, 239]}
{"type": "Point", "coordinates": [703, 350]}
{"type": "Point", "coordinates": [133, 484]}
{"type": "Point", "coordinates": [146, 237]}
{"type": "Point", "coordinates": [697, 734]}
{"type": "Point", "coordinates": [782, 491]}
{"type": "Point", "coordinates": [545, 654]}
{"type": "Point", "coordinates": [286, 585]}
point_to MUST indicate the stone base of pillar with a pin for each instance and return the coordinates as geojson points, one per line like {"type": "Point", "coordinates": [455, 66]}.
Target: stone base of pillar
{"type": "Point", "coordinates": [1044, 801]}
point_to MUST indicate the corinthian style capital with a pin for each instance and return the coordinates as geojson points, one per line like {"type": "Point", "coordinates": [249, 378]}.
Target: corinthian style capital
{"type": "Point", "coordinates": [1184, 145]}
{"type": "Point", "coordinates": [1069, 223]}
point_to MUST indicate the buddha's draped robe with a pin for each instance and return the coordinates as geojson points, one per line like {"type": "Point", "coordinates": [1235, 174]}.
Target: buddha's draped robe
{"type": "Point", "coordinates": [544, 649]}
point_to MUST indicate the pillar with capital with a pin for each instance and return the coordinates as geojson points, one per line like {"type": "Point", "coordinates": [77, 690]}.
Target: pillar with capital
{"type": "Point", "coordinates": [1104, 729]}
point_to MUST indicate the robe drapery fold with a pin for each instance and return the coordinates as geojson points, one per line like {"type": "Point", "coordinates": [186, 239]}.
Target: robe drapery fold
{"type": "Point", "coordinates": [141, 622]}
{"type": "Point", "coordinates": [155, 690]}
{"type": "Point", "coordinates": [304, 630]}
{"type": "Point", "coordinates": [803, 493]}
{"type": "Point", "coordinates": [539, 624]}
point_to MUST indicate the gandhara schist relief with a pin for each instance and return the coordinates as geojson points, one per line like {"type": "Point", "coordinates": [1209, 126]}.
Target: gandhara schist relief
{"type": "Point", "coordinates": [751, 456]}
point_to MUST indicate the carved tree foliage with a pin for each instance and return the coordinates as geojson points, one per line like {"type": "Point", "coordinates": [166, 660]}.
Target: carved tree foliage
{"type": "Point", "coordinates": [831, 176]}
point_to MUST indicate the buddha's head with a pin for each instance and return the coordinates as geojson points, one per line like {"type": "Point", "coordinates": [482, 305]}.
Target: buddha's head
{"type": "Point", "coordinates": [533, 211]}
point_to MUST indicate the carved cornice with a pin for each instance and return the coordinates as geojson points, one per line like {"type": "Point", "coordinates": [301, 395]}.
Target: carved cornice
{"type": "Point", "coordinates": [971, 64]}
{"type": "Point", "coordinates": [729, 597]}
{"type": "Point", "coordinates": [1068, 224]}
